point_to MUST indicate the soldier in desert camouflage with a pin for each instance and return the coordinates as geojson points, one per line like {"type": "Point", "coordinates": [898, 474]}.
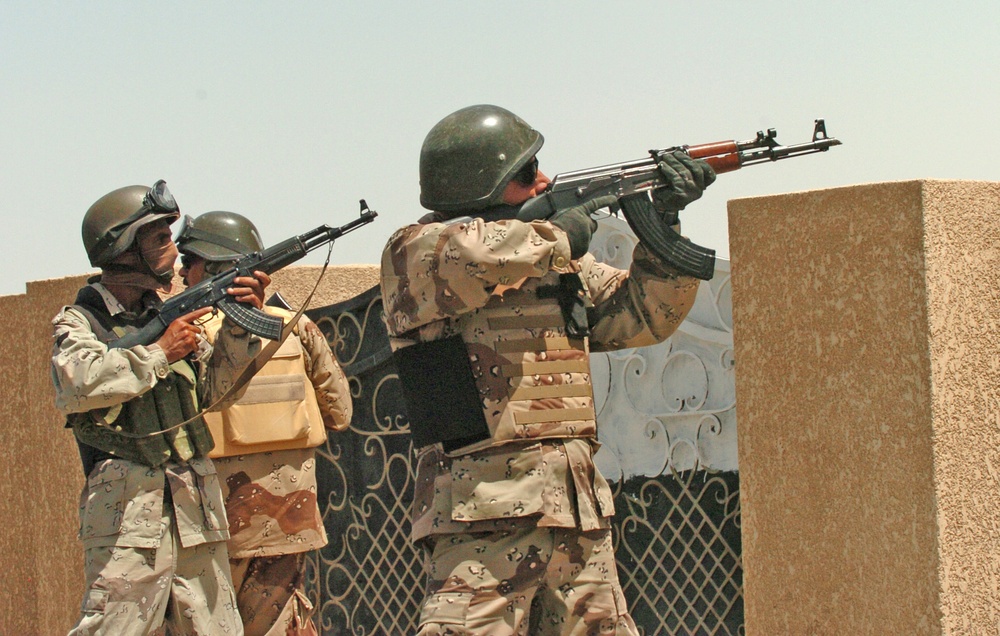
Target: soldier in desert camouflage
{"type": "Point", "coordinates": [152, 519]}
{"type": "Point", "coordinates": [265, 445]}
{"type": "Point", "coordinates": [491, 320]}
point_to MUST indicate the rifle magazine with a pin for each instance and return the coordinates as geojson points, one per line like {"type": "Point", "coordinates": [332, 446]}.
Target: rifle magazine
{"type": "Point", "coordinates": [662, 240]}
{"type": "Point", "coordinates": [253, 320]}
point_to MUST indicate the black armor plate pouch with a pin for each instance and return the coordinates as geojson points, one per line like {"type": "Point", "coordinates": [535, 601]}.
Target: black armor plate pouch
{"type": "Point", "coordinates": [442, 400]}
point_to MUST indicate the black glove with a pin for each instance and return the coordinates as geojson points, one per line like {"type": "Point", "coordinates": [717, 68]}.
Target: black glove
{"type": "Point", "coordinates": [687, 177]}
{"type": "Point", "coordinates": [578, 225]}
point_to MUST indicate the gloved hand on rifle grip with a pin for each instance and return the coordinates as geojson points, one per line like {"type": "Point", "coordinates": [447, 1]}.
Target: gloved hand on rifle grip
{"type": "Point", "coordinates": [578, 225]}
{"type": "Point", "coordinates": [687, 177]}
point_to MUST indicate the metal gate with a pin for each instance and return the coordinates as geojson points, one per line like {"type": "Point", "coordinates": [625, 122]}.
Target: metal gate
{"type": "Point", "coordinates": [676, 534]}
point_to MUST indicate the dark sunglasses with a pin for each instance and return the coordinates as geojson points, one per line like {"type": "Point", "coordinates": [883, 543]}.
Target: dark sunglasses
{"type": "Point", "coordinates": [528, 173]}
{"type": "Point", "coordinates": [211, 267]}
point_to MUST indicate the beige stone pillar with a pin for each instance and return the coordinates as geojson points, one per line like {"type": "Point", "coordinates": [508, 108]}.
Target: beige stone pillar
{"type": "Point", "coordinates": [867, 342]}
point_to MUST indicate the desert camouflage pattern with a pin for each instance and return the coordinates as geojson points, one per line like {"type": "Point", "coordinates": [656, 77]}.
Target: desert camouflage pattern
{"type": "Point", "coordinates": [492, 282]}
{"type": "Point", "coordinates": [271, 598]}
{"type": "Point", "coordinates": [271, 497]}
{"type": "Point", "coordinates": [123, 502]}
{"type": "Point", "coordinates": [553, 482]}
{"type": "Point", "coordinates": [485, 584]}
{"type": "Point", "coordinates": [145, 551]}
{"type": "Point", "coordinates": [271, 504]}
{"type": "Point", "coordinates": [146, 545]}
{"type": "Point", "coordinates": [516, 527]}
{"type": "Point", "coordinates": [496, 284]}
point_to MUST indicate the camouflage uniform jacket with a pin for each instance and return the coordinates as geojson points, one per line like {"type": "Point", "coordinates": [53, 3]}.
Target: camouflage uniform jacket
{"type": "Point", "coordinates": [123, 501]}
{"type": "Point", "coordinates": [270, 497]}
{"type": "Point", "coordinates": [490, 283]}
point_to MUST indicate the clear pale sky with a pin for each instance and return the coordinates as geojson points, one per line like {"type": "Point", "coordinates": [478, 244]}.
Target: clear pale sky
{"type": "Point", "coordinates": [291, 112]}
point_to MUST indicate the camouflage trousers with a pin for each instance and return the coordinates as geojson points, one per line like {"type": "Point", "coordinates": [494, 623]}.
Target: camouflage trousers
{"type": "Point", "coordinates": [530, 580]}
{"type": "Point", "coordinates": [270, 593]}
{"type": "Point", "coordinates": [166, 590]}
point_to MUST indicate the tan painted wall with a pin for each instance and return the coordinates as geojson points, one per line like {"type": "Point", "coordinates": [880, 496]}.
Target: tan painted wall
{"type": "Point", "coordinates": [41, 562]}
{"type": "Point", "coordinates": [866, 328]}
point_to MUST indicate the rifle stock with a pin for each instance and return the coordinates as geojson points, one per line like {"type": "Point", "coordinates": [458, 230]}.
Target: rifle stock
{"type": "Point", "coordinates": [212, 291]}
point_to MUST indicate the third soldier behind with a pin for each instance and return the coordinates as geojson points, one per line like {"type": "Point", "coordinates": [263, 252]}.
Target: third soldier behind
{"type": "Point", "coordinates": [265, 445]}
{"type": "Point", "coordinates": [491, 321]}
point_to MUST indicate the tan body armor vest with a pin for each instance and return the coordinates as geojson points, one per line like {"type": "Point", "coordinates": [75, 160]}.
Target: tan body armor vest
{"type": "Point", "coordinates": [279, 410]}
{"type": "Point", "coordinates": [533, 381]}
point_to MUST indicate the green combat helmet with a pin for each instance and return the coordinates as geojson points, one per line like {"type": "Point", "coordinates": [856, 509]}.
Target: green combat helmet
{"type": "Point", "coordinates": [219, 236]}
{"type": "Point", "coordinates": [111, 223]}
{"type": "Point", "coordinates": [469, 157]}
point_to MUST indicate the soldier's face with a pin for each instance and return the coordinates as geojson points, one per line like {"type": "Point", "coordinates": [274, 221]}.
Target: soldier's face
{"type": "Point", "coordinates": [192, 269]}
{"type": "Point", "coordinates": [517, 192]}
{"type": "Point", "coordinates": [156, 247]}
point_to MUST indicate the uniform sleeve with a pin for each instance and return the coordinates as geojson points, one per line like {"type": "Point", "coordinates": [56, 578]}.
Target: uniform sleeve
{"type": "Point", "coordinates": [438, 270]}
{"type": "Point", "coordinates": [333, 393]}
{"type": "Point", "coordinates": [87, 375]}
{"type": "Point", "coordinates": [637, 308]}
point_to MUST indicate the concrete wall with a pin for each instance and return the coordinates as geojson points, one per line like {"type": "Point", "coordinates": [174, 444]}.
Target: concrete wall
{"type": "Point", "coordinates": [41, 562]}
{"type": "Point", "coordinates": [866, 328]}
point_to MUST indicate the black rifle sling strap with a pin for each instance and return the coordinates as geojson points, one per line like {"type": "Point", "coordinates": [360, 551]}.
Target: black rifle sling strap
{"type": "Point", "coordinates": [572, 298]}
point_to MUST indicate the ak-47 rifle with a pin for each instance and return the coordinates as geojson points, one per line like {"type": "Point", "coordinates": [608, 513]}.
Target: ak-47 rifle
{"type": "Point", "coordinates": [570, 189]}
{"type": "Point", "coordinates": [212, 291]}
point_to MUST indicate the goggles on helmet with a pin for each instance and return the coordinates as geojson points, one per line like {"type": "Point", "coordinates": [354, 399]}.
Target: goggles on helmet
{"type": "Point", "coordinates": [157, 201]}
{"type": "Point", "coordinates": [184, 233]}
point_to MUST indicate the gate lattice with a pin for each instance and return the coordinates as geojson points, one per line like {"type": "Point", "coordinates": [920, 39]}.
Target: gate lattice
{"type": "Point", "coordinates": [677, 536]}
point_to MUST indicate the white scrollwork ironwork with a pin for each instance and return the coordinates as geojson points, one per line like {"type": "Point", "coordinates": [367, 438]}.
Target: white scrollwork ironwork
{"type": "Point", "coordinates": [672, 406]}
{"type": "Point", "coordinates": [667, 423]}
